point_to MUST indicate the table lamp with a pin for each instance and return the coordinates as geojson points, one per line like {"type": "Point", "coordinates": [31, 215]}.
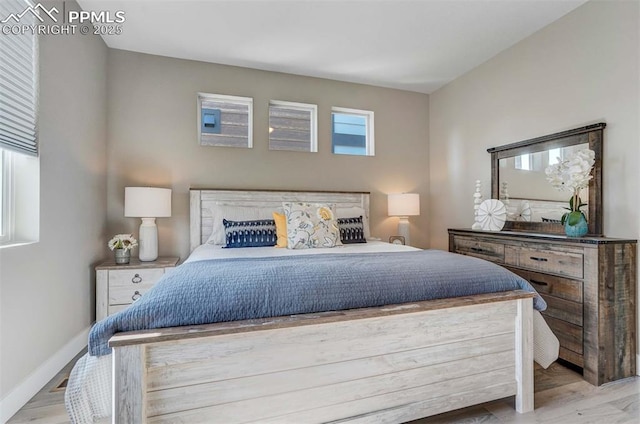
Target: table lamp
{"type": "Point", "coordinates": [147, 203]}
{"type": "Point", "coordinates": [403, 205]}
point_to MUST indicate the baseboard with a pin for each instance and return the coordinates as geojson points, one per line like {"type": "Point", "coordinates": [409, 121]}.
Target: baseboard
{"type": "Point", "coordinates": [20, 395]}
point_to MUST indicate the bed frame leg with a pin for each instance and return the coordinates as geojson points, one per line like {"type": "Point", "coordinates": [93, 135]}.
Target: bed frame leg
{"type": "Point", "coordinates": [129, 388]}
{"type": "Point", "coordinates": [524, 356]}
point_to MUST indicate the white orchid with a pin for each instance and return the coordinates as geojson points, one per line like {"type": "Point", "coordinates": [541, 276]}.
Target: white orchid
{"type": "Point", "coordinates": [572, 174]}
{"type": "Point", "coordinates": [122, 241]}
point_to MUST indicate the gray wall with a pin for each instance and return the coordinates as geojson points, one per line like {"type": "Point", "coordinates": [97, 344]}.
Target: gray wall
{"type": "Point", "coordinates": [153, 141]}
{"type": "Point", "coordinates": [46, 294]}
{"type": "Point", "coordinates": [581, 69]}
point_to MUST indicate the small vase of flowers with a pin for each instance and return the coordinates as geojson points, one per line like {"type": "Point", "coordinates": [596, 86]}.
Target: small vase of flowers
{"type": "Point", "coordinates": [573, 174]}
{"type": "Point", "coordinates": [121, 244]}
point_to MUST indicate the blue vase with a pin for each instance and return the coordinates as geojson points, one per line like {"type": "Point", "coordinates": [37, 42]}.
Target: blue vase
{"type": "Point", "coordinates": [578, 230]}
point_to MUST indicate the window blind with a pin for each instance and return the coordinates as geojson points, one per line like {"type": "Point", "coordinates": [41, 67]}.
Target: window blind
{"type": "Point", "coordinates": [292, 127]}
{"type": "Point", "coordinates": [236, 120]}
{"type": "Point", "coordinates": [18, 82]}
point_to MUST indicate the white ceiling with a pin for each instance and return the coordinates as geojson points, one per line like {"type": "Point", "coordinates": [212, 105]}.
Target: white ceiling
{"type": "Point", "coordinates": [416, 45]}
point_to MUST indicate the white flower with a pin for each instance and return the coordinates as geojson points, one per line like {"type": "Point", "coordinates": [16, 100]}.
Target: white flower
{"type": "Point", "coordinates": [572, 174]}
{"type": "Point", "coordinates": [122, 241]}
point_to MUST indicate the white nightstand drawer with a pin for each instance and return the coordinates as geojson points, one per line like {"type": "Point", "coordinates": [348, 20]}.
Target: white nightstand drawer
{"type": "Point", "coordinates": [118, 286]}
{"type": "Point", "coordinates": [134, 277]}
{"type": "Point", "coordinates": [125, 295]}
{"type": "Point", "coordinates": [117, 308]}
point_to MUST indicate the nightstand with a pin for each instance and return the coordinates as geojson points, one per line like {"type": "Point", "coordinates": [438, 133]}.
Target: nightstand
{"type": "Point", "coordinates": [118, 286]}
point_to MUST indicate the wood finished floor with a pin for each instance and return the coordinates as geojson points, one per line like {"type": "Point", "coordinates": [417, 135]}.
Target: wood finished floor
{"type": "Point", "coordinates": [561, 397]}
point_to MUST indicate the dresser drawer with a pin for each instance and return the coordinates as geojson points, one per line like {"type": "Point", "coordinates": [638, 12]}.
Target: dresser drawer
{"type": "Point", "coordinates": [568, 264]}
{"type": "Point", "coordinates": [569, 335]}
{"type": "Point", "coordinates": [563, 296]}
{"type": "Point", "coordinates": [134, 277]}
{"type": "Point", "coordinates": [564, 310]}
{"type": "Point", "coordinates": [571, 356]}
{"type": "Point", "coordinates": [553, 285]}
{"type": "Point", "coordinates": [480, 249]}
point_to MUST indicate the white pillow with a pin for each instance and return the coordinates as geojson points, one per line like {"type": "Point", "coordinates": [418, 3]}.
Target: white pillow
{"type": "Point", "coordinates": [235, 213]}
{"type": "Point", "coordinates": [354, 212]}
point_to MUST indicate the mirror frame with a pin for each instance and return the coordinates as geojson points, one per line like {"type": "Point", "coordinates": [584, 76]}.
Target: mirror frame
{"type": "Point", "coordinates": [591, 134]}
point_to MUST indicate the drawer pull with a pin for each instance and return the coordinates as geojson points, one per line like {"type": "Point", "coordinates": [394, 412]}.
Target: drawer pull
{"type": "Point", "coordinates": [136, 296]}
{"type": "Point", "coordinates": [136, 279]}
{"type": "Point", "coordinates": [534, 258]}
{"type": "Point", "coordinates": [540, 283]}
{"type": "Point", "coordinates": [477, 249]}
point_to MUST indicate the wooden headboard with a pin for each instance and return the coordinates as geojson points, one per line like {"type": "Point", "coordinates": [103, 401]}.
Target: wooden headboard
{"type": "Point", "coordinates": [201, 201]}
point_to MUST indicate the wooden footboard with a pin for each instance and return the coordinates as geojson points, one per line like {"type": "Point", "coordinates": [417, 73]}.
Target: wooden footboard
{"type": "Point", "coordinates": [387, 364]}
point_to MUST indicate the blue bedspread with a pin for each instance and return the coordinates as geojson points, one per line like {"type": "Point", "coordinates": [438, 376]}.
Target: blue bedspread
{"type": "Point", "coordinates": [235, 289]}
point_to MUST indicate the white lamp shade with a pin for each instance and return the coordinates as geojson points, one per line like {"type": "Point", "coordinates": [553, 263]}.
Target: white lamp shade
{"type": "Point", "coordinates": [403, 204]}
{"type": "Point", "coordinates": [147, 202]}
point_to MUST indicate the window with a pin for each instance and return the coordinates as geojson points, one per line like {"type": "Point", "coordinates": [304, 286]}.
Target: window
{"type": "Point", "coordinates": [523, 162]}
{"type": "Point", "coordinates": [225, 121]}
{"type": "Point", "coordinates": [292, 126]}
{"type": "Point", "coordinates": [18, 127]}
{"type": "Point", "coordinates": [5, 196]}
{"type": "Point", "coordinates": [555, 156]}
{"type": "Point", "coordinates": [352, 132]}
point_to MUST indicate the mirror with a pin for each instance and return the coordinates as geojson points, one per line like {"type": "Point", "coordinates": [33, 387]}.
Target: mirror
{"type": "Point", "coordinates": [519, 180]}
{"type": "Point", "coordinates": [524, 188]}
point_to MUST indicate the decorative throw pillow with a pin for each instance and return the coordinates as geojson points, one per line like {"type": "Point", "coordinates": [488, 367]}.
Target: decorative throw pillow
{"type": "Point", "coordinates": [351, 230]}
{"type": "Point", "coordinates": [311, 225]}
{"type": "Point", "coordinates": [281, 229]}
{"type": "Point", "coordinates": [355, 211]}
{"type": "Point", "coordinates": [256, 233]}
{"type": "Point", "coordinates": [235, 213]}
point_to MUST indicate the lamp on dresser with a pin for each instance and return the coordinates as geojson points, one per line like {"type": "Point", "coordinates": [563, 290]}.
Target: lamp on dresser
{"type": "Point", "coordinates": [403, 205]}
{"type": "Point", "coordinates": [147, 203]}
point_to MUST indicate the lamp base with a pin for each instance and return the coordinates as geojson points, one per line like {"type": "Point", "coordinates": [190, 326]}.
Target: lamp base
{"type": "Point", "coordinates": [403, 229]}
{"type": "Point", "coordinates": [148, 235]}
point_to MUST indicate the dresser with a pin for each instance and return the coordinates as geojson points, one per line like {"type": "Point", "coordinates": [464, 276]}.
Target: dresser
{"type": "Point", "coordinates": [589, 284]}
{"type": "Point", "coordinates": [118, 286]}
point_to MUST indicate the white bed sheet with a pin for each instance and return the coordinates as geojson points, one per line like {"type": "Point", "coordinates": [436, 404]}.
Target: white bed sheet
{"type": "Point", "coordinates": [212, 251]}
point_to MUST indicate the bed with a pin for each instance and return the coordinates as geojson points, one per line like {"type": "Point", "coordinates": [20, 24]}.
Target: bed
{"type": "Point", "coordinates": [388, 363]}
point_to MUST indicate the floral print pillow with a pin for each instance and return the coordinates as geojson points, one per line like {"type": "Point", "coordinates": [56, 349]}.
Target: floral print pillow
{"type": "Point", "coordinates": [311, 225]}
